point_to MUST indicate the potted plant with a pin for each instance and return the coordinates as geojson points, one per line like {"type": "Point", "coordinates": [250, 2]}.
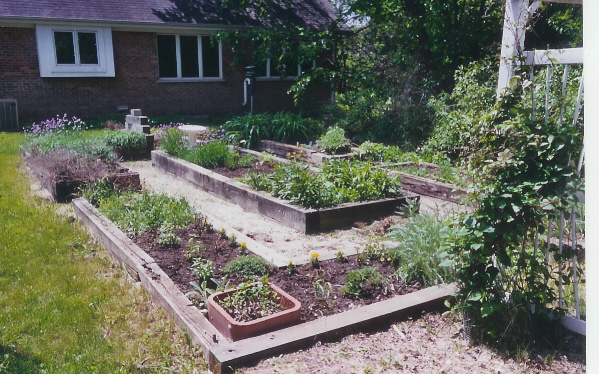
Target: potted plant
{"type": "Point", "coordinates": [252, 309]}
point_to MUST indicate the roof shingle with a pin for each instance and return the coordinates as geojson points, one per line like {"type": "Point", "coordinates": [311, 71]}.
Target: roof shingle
{"type": "Point", "coordinates": [312, 14]}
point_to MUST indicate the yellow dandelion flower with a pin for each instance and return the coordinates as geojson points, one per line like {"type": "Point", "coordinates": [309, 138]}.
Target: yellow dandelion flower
{"type": "Point", "coordinates": [243, 244]}
{"type": "Point", "coordinates": [314, 255]}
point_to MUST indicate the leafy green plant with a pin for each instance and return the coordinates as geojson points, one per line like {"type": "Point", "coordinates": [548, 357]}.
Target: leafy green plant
{"type": "Point", "coordinates": [98, 191]}
{"type": "Point", "coordinates": [211, 155]}
{"type": "Point", "coordinates": [421, 255]}
{"type": "Point", "coordinates": [167, 235]}
{"type": "Point", "coordinates": [296, 183]}
{"type": "Point", "coordinates": [525, 173]}
{"type": "Point", "coordinates": [363, 281]}
{"type": "Point", "coordinates": [324, 291]}
{"type": "Point", "coordinates": [252, 301]}
{"type": "Point", "coordinates": [136, 212]}
{"type": "Point", "coordinates": [333, 141]}
{"type": "Point", "coordinates": [202, 268]}
{"type": "Point", "coordinates": [359, 181]}
{"type": "Point", "coordinates": [248, 267]}
{"type": "Point", "coordinates": [125, 141]}
{"type": "Point", "coordinates": [282, 127]}
{"type": "Point", "coordinates": [173, 141]}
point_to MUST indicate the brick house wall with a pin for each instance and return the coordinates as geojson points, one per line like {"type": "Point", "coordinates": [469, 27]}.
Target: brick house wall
{"type": "Point", "coordinates": [135, 83]}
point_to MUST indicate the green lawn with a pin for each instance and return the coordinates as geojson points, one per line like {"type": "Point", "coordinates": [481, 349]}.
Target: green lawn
{"type": "Point", "coordinates": [64, 306]}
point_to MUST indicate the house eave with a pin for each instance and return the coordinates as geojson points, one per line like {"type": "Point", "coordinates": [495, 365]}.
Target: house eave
{"type": "Point", "coordinates": [30, 22]}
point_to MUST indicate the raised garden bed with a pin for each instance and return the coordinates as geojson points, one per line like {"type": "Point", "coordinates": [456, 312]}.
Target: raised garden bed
{"type": "Point", "coordinates": [221, 354]}
{"type": "Point", "coordinates": [310, 155]}
{"type": "Point", "coordinates": [427, 186]}
{"type": "Point", "coordinates": [308, 221]}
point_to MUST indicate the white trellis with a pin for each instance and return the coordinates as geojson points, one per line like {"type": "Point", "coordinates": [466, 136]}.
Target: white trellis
{"type": "Point", "coordinates": [517, 15]}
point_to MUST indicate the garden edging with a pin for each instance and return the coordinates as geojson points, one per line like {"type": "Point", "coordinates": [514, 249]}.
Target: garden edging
{"type": "Point", "coordinates": [218, 351]}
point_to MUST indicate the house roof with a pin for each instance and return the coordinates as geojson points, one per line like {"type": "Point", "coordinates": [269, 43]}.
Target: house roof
{"type": "Point", "coordinates": [312, 14]}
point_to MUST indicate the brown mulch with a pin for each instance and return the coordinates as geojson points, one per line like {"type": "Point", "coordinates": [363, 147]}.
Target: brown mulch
{"type": "Point", "coordinates": [299, 285]}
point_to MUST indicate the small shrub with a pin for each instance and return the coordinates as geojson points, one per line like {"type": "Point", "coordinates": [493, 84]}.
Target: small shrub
{"type": "Point", "coordinates": [363, 281]}
{"type": "Point", "coordinates": [211, 155]}
{"type": "Point", "coordinates": [248, 266]}
{"type": "Point", "coordinates": [333, 141]}
{"type": "Point", "coordinates": [173, 141]}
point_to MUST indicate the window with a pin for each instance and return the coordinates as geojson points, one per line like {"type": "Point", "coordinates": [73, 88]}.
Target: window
{"type": "Point", "coordinates": [286, 65]}
{"type": "Point", "coordinates": [187, 57]}
{"type": "Point", "coordinates": [75, 51]}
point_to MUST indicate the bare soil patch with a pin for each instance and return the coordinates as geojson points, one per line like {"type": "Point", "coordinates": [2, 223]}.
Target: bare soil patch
{"type": "Point", "coordinates": [300, 284]}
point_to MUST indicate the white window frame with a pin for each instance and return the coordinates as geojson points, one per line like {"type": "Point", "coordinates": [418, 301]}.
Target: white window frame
{"type": "Point", "coordinates": [47, 53]}
{"type": "Point", "coordinates": [278, 77]}
{"type": "Point", "coordinates": [201, 78]}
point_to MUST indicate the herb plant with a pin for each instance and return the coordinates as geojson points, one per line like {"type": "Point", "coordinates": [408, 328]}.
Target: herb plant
{"type": "Point", "coordinates": [252, 301]}
{"type": "Point", "coordinates": [363, 281]}
{"type": "Point", "coordinates": [248, 267]}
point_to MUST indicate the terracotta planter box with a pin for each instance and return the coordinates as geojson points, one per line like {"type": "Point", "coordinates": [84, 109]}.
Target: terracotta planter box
{"type": "Point", "coordinates": [235, 330]}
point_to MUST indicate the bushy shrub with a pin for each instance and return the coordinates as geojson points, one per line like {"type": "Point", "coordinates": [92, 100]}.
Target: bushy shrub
{"type": "Point", "coordinates": [248, 266]}
{"type": "Point", "coordinates": [210, 155]}
{"type": "Point", "coordinates": [422, 250]}
{"type": "Point", "coordinates": [333, 141]}
{"type": "Point", "coordinates": [173, 141]}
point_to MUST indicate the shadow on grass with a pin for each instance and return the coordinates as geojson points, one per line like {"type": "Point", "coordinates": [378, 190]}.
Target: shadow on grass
{"type": "Point", "coordinates": [13, 362]}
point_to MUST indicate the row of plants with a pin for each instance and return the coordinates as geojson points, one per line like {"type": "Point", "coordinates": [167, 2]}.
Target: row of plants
{"type": "Point", "coordinates": [211, 151]}
{"type": "Point", "coordinates": [338, 182]}
{"type": "Point", "coordinates": [69, 134]}
{"type": "Point", "coordinates": [282, 127]}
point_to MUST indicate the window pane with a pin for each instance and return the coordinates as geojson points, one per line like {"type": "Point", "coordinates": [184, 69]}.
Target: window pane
{"type": "Point", "coordinates": [189, 56]}
{"type": "Point", "coordinates": [210, 58]}
{"type": "Point", "coordinates": [65, 49]}
{"type": "Point", "coordinates": [167, 56]}
{"type": "Point", "coordinates": [88, 51]}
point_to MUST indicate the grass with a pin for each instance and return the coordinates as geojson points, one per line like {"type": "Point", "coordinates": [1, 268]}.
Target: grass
{"type": "Point", "coordinates": [64, 306]}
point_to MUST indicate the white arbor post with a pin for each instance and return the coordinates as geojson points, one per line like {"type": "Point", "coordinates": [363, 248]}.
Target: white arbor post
{"type": "Point", "coordinates": [517, 15]}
